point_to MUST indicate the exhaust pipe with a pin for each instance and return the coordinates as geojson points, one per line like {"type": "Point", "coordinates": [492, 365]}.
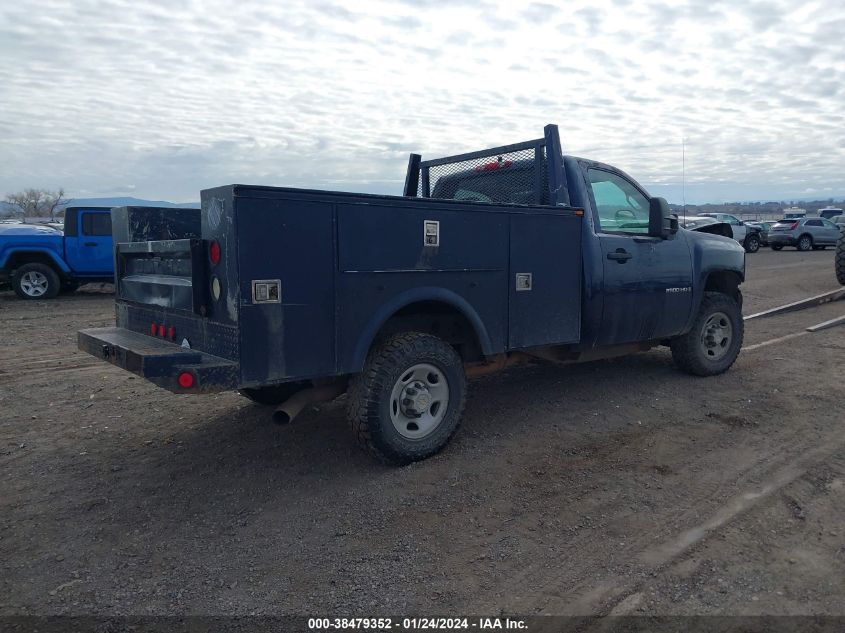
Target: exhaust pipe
{"type": "Point", "coordinates": [294, 405]}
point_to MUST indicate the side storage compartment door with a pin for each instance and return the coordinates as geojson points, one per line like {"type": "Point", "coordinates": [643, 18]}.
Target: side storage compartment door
{"type": "Point", "coordinates": [286, 251]}
{"type": "Point", "coordinates": [545, 280]}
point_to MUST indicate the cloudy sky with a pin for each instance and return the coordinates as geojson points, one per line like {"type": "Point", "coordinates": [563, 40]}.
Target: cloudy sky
{"type": "Point", "coordinates": [161, 99]}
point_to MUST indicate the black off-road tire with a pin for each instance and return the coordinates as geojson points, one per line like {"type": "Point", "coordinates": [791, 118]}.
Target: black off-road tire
{"type": "Point", "coordinates": [840, 259]}
{"type": "Point", "coordinates": [752, 243]}
{"type": "Point", "coordinates": [369, 393]}
{"type": "Point", "coordinates": [805, 243]}
{"type": "Point", "coordinates": [777, 247]}
{"type": "Point", "coordinates": [274, 394]}
{"type": "Point", "coordinates": [52, 280]}
{"type": "Point", "coordinates": [689, 353]}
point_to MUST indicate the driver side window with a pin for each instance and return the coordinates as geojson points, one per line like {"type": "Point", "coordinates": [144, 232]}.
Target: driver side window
{"type": "Point", "coordinates": [620, 205]}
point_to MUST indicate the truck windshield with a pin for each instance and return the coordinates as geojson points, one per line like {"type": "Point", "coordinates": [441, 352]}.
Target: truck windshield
{"type": "Point", "coordinates": [621, 207]}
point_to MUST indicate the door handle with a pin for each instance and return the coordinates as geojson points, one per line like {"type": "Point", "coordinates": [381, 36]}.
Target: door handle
{"type": "Point", "coordinates": [620, 255]}
{"type": "Point", "coordinates": [90, 243]}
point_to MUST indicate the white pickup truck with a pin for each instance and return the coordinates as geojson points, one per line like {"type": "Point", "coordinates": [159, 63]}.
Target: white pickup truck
{"type": "Point", "coordinates": [748, 236]}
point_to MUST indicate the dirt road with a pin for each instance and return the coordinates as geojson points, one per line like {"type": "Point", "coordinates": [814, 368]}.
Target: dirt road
{"type": "Point", "coordinates": [612, 487]}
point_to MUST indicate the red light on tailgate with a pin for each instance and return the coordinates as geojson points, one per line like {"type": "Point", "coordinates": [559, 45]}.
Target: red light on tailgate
{"type": "Point", "coordinates": [153, 329]}
{"type": "Point", "coordinates": [171, 332]}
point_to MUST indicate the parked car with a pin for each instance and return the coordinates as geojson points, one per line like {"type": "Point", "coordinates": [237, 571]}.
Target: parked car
{"type": "Point", "coordinates": [830, 212]}
{"type": "Point", "coordinates": [804, 233]}
{"type": "Point", "coordinates": [745, 234]}
{"type": "Point", "coordinates": [765, 227]}
{"type": "Point", "coordinates": [705, 225]}
{"type": "Point", "coordinates": [839, 220]}
{"type": "Point", "coordinates": [482, 263]}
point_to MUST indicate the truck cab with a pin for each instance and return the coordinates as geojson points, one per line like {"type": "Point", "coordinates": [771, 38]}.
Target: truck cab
{"type": "Point", "coordinates": [40, 261]}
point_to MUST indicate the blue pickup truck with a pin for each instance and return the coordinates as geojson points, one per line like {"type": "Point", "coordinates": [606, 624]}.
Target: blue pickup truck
{"type": "Point", "coordinates": [41, 261]}
{"type": "Point", "coordinates": [507, 255]}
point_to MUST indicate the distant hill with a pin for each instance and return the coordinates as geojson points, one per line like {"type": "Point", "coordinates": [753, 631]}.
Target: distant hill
{"type": "Point", "coordinates": [127, 202]}
{"type": "Point", "coordinates": [5, 209]}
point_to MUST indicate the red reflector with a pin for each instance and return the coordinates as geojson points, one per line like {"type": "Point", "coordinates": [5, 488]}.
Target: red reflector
{"type": "Point", "coordinates": [186, 380]}
{"type": "Point", "coordinates": [494, 165]}
{"type": "Point", "coordinates": [214, 252]}
{"type": "Point", "coordinates": [171, 332]}
{"type": "Point", "coordinates": [153, 329]}
{"type": "Point", "coordinates": [161, 330]}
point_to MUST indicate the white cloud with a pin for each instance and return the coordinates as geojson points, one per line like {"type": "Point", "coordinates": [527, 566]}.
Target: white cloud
{"type": "Point", "coordinates": [178, 96]}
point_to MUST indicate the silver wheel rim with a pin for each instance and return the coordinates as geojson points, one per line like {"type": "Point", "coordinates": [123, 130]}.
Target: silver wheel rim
{"type": "Point", "coordinates": [419, 401]}
{"type": "Point", "coordinates": [34, 284]}
{"type": "Point", "coordinates": [716, 336]}
{"type": "Point", "coordinates": [804, 244]}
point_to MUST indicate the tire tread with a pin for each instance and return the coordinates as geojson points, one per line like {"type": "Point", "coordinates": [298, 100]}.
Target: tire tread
{"type": "Point", "coordinates": [363, 394]}
{"type": "Point", "coordinates": [685, 349]}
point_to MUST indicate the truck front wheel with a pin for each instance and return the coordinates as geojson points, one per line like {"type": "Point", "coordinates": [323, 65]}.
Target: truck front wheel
{"type": "Point", "coordinates": [713, 343]}
{"type": "Point", "coordinates": [840, 259]}
{"type": "Point", "coordinates": [408, 400]}
{"type": "Point", "coordinates": [36, 281]}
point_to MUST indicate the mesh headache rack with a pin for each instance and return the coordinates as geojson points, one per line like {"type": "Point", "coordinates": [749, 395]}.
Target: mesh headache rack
{"type": "Point", "coordinates": [523, 173]}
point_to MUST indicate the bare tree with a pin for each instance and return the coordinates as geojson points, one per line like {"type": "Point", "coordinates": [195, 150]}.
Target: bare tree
{"type": "Point", "coordinates": [37, 202]}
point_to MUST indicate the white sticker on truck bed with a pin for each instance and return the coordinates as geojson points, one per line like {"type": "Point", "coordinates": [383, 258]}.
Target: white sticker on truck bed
{"type": "Point", "coordinates": [431, 233]}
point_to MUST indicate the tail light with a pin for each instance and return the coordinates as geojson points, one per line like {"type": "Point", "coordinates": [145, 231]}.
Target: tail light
{"type": "Point", "coordinates": [153, 329]}
{"type": "Point", "coordinates": [794, 226]}
{"type": "Point", "coordinates": [161, 330]}
{"type": "Point", "coordinates": [171, 332]}
{"type": "Point", "coordinates": [186, 380]}
{"type": "Point", "coordinates": [214, 252]}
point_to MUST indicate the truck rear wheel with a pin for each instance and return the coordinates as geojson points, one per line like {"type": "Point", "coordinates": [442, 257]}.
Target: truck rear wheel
{"type": "Point", "coordinates": [36, 281]}
{"type": "Point", "coordinates": [840, 259]}
{"type": "Point", "coordinates": [713, 343]}
{"type": "Point", "coordinates": [408, 400]}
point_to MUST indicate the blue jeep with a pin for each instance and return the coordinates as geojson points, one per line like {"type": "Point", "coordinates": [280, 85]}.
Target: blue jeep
{"type": "Point", "coordinates": [40, 261]}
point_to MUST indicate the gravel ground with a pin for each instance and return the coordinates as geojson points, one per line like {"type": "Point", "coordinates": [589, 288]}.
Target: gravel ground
{"type": "Point", "coordinates": [618, 486]}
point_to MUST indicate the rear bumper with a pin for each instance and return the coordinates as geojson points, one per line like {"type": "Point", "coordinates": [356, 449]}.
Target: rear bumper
{"type": "Point", "coordinates": [159, 361]}
{"type": "Point", "coordinates": [777, 238]}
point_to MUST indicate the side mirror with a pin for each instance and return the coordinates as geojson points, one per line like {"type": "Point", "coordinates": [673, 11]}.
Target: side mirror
{"type": "Point", "coordinates": [661, 223]}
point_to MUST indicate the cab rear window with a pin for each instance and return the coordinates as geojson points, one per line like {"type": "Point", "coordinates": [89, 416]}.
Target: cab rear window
{"type": "Point", "coordinates": [96, 224]}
